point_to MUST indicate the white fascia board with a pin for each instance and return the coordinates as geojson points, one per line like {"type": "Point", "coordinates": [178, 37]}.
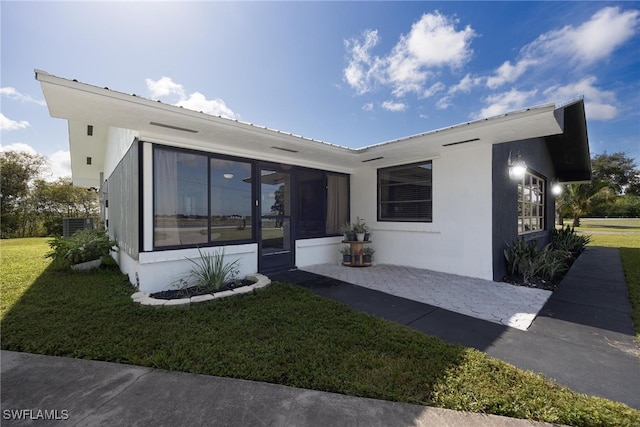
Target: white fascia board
{"type": "Point", "coordinates": [69, 99]}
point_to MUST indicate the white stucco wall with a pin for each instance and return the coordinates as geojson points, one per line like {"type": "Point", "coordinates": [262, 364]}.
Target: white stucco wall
{"type": "Point", "coordinates": [318, 251]}
{"type": "Point", "coordinates": [458, 240]}
{"type": "Point", "coordinates": [118, 142]}
{"type": "Point", "coordinates": [158, 271]}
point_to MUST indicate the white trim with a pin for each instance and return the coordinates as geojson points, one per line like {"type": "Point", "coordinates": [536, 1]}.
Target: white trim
{"type": "Point", "coordinates": [147, 201]}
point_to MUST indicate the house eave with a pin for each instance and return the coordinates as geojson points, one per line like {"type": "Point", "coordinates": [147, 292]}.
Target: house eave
{"type": "Point", "coordinates": [158, 122]}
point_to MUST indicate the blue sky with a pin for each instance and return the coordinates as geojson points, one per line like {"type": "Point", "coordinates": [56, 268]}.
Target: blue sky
{"type": "Point", "coordinates": [352, 74]}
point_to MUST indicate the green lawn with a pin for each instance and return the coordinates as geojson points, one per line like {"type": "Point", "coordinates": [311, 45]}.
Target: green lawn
{"type": "Point", "coordinates": [611, 232]}
{"type": "Point", "coordinates": [283, 334]}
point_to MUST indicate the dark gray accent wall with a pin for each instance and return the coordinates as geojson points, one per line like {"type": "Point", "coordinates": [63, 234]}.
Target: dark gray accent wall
{"type": "Point", "coordinates": [505, 195]}
{"type": "Point", "coordinates": [123, 190]}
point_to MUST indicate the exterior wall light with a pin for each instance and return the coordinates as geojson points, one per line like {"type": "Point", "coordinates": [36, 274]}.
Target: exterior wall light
{"type": "Point", "coordinates": [517, 167]}
{"type": "Point", "coordinates": [556, 188]}
{"type": "Point", "coordinates": [228, 175]}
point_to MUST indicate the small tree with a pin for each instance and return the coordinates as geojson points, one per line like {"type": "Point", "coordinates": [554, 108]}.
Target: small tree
{"type": "Point", "coordinates": [616, 170]}
{"type": "Point", "coordinates": [578, 199]}
{"type": "Point", "coordinates": [17, 171]}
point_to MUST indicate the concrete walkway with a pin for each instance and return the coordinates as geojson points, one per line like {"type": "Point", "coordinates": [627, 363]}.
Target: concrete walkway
{"type": "Point", "coordinates": [502, 303]}
{"type": "Point", "coordinates": [73, 392]}
{"type": "Point", "coordinates": [583, 337]}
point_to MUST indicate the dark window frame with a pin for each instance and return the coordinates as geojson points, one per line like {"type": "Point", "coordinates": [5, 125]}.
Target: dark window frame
{"type": "Point", "coordinates": [209, 156]}
{"type": "Point", "coordinates": [380, 202]}
{"type": "Point", "coordinates": [255, 164]}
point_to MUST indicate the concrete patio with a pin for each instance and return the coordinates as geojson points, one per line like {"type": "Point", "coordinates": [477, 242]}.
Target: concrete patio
{"type": "Point", "coordinates": [502, 303]}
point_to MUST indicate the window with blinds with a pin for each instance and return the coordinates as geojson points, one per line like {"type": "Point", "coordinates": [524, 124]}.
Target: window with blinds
{"type": "Point", "coordinates": [405, 193]}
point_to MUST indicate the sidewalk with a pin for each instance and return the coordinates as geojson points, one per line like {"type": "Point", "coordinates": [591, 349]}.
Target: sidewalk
{"type": "Point", "coordinates": [89, 393]}
{"type": "Point", "coordinates": [583, 337]}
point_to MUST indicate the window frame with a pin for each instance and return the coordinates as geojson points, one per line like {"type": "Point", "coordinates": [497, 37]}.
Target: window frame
{"type": "Point", "coordinates": [380, 202]}
{"type": "Point", "coordinates": [255, 164]}
{"type": "Point", "coordinates": [209, 156]}
{"type": "Point", "coordinates": [534, 184]}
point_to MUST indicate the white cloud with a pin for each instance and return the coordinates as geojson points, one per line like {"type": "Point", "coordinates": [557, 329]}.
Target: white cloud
{"type": "Point", "coordinates": [394, 106]}
{"type": "Point", "coordinates": [592, 41]}
{"type": "Point", "coordinates": [368, 106]}
{"type": "Point", "coordinates": [360, 71]}
{"type": "Point", "coordinates": [197, 101]}
{"type": "Point", "coordinates": [166, 87]}
{"type": "Point", "coordinates": [508, 73]}
{"type": "Point", "coordinates": [12, 93]}
{"type": "Point", "coordinates": [433, 89]}
{"type": "Point", "coordinates": [8, 124]}
{"type": "Point", "coordinates": [571, 47]}
{"type": "Point", "coordinates": [444, 103]}
{"type": "Point", "coordinates": [432, 43]}
{"type": "Point", "coordinates": [504, 102]}
{"type": "Point", "coordinates": [465, 85]}
{"type": "Point", "coordinates": [598, 103]}
{"type": "Point", "coordinates": [18, 147]}
{"type": "Point", "coordinates": [60, 164]}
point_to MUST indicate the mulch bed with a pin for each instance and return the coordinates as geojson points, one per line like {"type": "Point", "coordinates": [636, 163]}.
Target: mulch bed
{"type": "Point", "coordinates": [195, 291]}
{"type": "Point", "coordinates": [533, 283]}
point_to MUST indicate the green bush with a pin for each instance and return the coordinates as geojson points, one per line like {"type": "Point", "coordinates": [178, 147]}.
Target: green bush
{"type": "Point", "coordinates": [526, 260]}
{"type": "Point", "coordinates": [82, 246]}
{"type": "Point", "coordinates": [568, 240]}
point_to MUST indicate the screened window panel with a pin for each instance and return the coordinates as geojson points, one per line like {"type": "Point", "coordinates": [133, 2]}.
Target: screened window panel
{"type": "Point", "coordinates": [180, 198]}
{"type": "Point", "coordinates": [311, 201]}
{"type": "Point", "coordinates": [337, 202]}
{"type": "Point", "coordinates": [231, 200]}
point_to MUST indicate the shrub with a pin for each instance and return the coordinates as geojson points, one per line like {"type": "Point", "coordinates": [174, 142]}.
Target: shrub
{"type": "Point", "coordinates": [526, 260]}
{"type": "Point", "coordinates": [568, 240]}
{"type": "Point", "coordinates": [210, 272]}
{"type": "Point", "coordinates": [82, 246]}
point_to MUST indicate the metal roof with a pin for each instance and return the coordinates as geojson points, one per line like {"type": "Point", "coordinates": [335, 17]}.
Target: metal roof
{"type": "Point", "coordinates": [564, 129]}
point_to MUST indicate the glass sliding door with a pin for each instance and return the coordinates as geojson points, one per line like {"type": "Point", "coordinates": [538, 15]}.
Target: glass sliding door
{"type": "Point", "coordinates": [276, 242]}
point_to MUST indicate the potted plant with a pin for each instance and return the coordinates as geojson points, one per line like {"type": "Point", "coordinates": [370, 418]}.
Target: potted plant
{"type": "Point", "coordinates": [361, 229]}
{"type": "Point", "coordinates": [83, 250]}
{"type": "Point", "coordinates": [346, 254]}
{"type": "Point", "coordinates": [346, 229]}
{"type": "Point", "coordinates": [356, 256]}
{"type": "Point", "coordinates": [367, 254]}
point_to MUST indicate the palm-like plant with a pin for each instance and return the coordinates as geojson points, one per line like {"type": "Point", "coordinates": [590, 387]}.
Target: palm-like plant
{"type": "Point", "coordinates": [577, 199]}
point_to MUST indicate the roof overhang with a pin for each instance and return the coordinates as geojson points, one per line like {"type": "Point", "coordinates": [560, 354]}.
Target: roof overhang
{"type": "Point", "coordinates": [570, 150]}
{"type": "Point", "coordinates": [162, 123]}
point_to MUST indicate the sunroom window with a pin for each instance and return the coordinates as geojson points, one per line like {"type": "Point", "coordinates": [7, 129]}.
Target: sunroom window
{"type": "Point", "coordinates": [200, 199]}
{"type": "Point", "coordinates": [405, 193]}
{"type": "Point", "coordinates": [180, 198]}
{"type": "Point", "coordinates": [531, 200]}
